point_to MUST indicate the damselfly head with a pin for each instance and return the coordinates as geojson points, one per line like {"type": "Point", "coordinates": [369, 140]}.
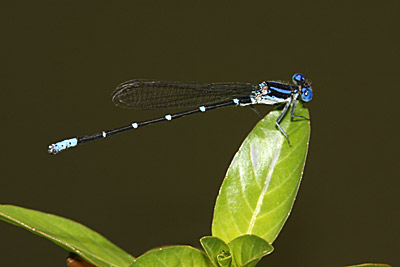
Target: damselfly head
{"type": "Point", "coordinates": [306, 91]}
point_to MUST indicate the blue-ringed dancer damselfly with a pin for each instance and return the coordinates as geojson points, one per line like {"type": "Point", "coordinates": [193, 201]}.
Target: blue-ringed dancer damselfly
{"type": "Point", "coordinates": [154, 94]}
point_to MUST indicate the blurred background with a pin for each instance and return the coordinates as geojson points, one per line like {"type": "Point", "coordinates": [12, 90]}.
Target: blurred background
{"type": "Point", "coordinates": [60, 62]}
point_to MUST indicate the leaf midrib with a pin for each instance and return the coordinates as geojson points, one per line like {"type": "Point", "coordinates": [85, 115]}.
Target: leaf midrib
{"type": "Point", "coordinates": [265, 188]}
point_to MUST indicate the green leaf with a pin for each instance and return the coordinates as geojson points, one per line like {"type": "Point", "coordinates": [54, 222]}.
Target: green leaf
{"type": "Point", "coordinates": [224, 259]}
{"type": "Point", "coordinates": [177, 256]}
{"type": "Point", "coordinates": [217, 251]}
{"type": "Point", "coordinates": [247, 250]}
{"type": "Point", "coordinates": [262, 181]}
{"type": "Point", "coordinates": [68, 234]}
{"type": "Point", "coordinates": [370, 265]}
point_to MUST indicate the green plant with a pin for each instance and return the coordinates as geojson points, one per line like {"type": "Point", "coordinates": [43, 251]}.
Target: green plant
{"type": "Point", "coordinates": [253, 204]}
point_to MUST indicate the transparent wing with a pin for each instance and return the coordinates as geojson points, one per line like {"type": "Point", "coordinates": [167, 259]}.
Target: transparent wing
{"type": "Point", "coordinates": [154, 94]}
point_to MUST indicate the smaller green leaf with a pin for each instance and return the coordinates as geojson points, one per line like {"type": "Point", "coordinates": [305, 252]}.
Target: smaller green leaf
{"type": "Point", "coordinates": [177, 256]}
{"type": "Point", "coordinates": [247, 250]}
{"type": "Point", "coordinates": [68, 234]}
{"type": "Point", "coordinates": [225, 259]}
{"type": "Point", "coordinates": [370, 265]}
{"type": "Point", "coordinates": [216, 250]}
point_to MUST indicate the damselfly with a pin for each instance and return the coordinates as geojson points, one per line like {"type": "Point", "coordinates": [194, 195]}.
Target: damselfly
{"type": "Point", "coordinates": [154, 94]}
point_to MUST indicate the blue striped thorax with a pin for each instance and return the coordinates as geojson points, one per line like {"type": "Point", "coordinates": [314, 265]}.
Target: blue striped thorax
{"type": "Point", "coordinates": [276, 92]}
{"type": "Point", "coordinates": [272, 93]}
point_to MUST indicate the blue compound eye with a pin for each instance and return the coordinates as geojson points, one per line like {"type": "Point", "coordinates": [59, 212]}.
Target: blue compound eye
{"type": "Point", "coordinates": [298, 79]}
{"type": "Point", "coordinates": [306, 94]}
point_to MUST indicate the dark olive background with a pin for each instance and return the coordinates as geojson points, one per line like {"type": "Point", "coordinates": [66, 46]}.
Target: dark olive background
{"type": "Point", "coordinates": [157, 186]}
